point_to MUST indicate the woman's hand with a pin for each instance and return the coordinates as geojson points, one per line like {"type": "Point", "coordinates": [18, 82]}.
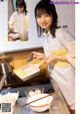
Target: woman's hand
{"type": "Point", "coordinates": [11, 27]}
{"type": "Point", "coordinates": [38, 55]}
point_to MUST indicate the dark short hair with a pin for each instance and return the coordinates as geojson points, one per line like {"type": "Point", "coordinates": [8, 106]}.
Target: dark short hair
{"type": "Point", "coordinates": [46, 6]}
{"type": "Point", "coordinates": [20, 3]}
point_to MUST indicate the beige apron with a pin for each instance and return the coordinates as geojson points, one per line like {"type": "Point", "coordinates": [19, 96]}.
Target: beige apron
{"type": "Point", "coordinates": [62, 72]}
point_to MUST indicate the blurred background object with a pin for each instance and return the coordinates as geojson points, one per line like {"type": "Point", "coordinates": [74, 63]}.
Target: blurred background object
{"type": "Point", "coordinates": [5, 70]}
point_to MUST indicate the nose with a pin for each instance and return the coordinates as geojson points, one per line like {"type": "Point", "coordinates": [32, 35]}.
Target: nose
{"type": "Point", "coordinates": [42, 19]}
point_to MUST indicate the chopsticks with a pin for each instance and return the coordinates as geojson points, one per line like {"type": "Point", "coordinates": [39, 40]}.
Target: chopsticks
{"type": "Point", "coordinates": [37, 99]}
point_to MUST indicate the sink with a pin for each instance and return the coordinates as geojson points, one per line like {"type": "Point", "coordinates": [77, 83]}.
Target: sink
{"type": "Point", "coordinates": [47, 89]}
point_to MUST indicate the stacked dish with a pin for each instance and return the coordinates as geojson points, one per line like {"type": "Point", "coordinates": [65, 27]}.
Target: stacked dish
{"type": "Point", "coordinates": [40, 105]}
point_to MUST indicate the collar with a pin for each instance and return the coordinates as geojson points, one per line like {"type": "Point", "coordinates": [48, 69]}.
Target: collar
{"type": "Point", "coordinates": [46, 34]}
{"type": "Point", "coordinates": [20, 13]}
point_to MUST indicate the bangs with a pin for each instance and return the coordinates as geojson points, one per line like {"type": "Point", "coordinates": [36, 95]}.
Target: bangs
{"type": "Point", "coordinates": [41, 11]}
{"type": "Point", "coordinates": [20, 6]}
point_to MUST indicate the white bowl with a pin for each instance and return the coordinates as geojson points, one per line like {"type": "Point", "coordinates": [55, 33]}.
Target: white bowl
{"type": "Point", "coordinates": [30, 91]}
{"type": "Point", "coordinates": [40, 105]}
{"type": "Point", "coordinates": [9, 98]}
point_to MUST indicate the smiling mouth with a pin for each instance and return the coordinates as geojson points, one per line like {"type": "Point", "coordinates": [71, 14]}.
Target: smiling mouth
{"type": "Point", "coordinates": [43, 25]}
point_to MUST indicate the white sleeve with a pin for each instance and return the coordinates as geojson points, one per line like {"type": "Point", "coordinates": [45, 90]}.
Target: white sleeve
{"type": "Point", "coordinates": [69, 43]}
{"type": "Point", "coordinates": [12, 19]}
{"type": "Point", "coordinates": [64, 37]}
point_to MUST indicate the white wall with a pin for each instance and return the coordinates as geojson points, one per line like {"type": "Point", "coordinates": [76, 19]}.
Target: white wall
{"type": "Point", "coordinates": [66, 15]}
{"type": "Point", "coordinates": [3, 25]}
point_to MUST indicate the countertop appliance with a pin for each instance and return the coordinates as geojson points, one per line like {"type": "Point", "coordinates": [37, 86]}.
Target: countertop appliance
{"type": "Point", "coordinates": [5, 73]}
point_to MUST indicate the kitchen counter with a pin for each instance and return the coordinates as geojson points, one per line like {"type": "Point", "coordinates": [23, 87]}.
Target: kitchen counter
{"type": "Point", "coordinates": [27, 110]}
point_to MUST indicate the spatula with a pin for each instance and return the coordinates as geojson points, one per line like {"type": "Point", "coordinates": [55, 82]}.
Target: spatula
{"type": "Point", "coordinates": [30, 58]}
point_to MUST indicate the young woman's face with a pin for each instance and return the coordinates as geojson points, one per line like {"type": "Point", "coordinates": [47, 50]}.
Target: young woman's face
{"type": "Point", "coordinates": [21, 9]}
{"type": "Point", "coordinates": [45, 21]}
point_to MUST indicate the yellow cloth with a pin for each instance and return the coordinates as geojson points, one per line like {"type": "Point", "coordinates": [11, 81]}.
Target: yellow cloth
{"type": "Point", "coordinates": [26, 21]}
{"type": "Point", "coordinates": [60, 52]}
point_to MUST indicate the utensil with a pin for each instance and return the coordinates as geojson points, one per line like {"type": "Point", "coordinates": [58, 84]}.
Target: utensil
{"type": "Point", "coordinates": [2, 81]}
{"type": "Point", "coordinates": [30, 58]}
{"type": "Point", "coordinates": [46, 95]}
{"type": "Point", "coordinates": [28, 71]}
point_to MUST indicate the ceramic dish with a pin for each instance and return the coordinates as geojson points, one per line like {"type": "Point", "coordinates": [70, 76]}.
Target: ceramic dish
{"type": "Point", "coordinates": [40, 105]}
{"type": "Point", "coordinates": [14, 35]}
{"type": "Point", "coordinates": [30, 91]}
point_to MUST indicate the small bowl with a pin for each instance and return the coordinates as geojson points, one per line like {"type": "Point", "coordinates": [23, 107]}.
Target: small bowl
{"type": "Point", "coordinates": [40, 105]}
{"type": "Point", "coordinates": [30, 91]}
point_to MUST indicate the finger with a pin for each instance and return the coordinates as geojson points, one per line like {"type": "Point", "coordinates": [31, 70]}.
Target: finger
{"type": "Point", "coordinates": [34, 54]}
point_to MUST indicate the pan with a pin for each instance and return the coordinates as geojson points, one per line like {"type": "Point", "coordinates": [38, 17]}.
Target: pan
{"type": "Point", "coordinates": [28, 71]}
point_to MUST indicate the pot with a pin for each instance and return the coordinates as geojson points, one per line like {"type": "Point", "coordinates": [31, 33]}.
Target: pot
{"type": "Point", "coordinates": [4, 68]}
{"type": "Point", "coordinates": [28, 71]}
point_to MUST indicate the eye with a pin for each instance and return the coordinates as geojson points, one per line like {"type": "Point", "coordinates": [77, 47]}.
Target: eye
{"type": "Point", "coordinates": [47, 15]}
{"type": "Point", "coordinates": [38, 16]}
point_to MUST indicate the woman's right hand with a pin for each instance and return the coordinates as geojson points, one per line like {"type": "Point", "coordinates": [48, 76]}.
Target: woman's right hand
{"type": "Point", "coordinates": [38, 55]}
{"type": "Point", "coordinates": [11, 26]}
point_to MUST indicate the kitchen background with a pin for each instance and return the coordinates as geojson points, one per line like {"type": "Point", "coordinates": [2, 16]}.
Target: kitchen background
{"type": "Point", "coordinates": [20, 51]}
{"type": "Point", "coordinates": [19, 57]}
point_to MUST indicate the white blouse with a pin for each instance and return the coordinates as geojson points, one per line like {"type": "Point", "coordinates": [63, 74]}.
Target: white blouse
{"type": "Point", "coordinates": [61, 43]}
{"type": "Point", "coordinates": [19, 21]}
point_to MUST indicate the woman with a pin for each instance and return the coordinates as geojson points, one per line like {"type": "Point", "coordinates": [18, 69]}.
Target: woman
{"type": "Point", "coordinates": [19, 20]}
{"type": "Point", "coordinates": [56, 43]}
